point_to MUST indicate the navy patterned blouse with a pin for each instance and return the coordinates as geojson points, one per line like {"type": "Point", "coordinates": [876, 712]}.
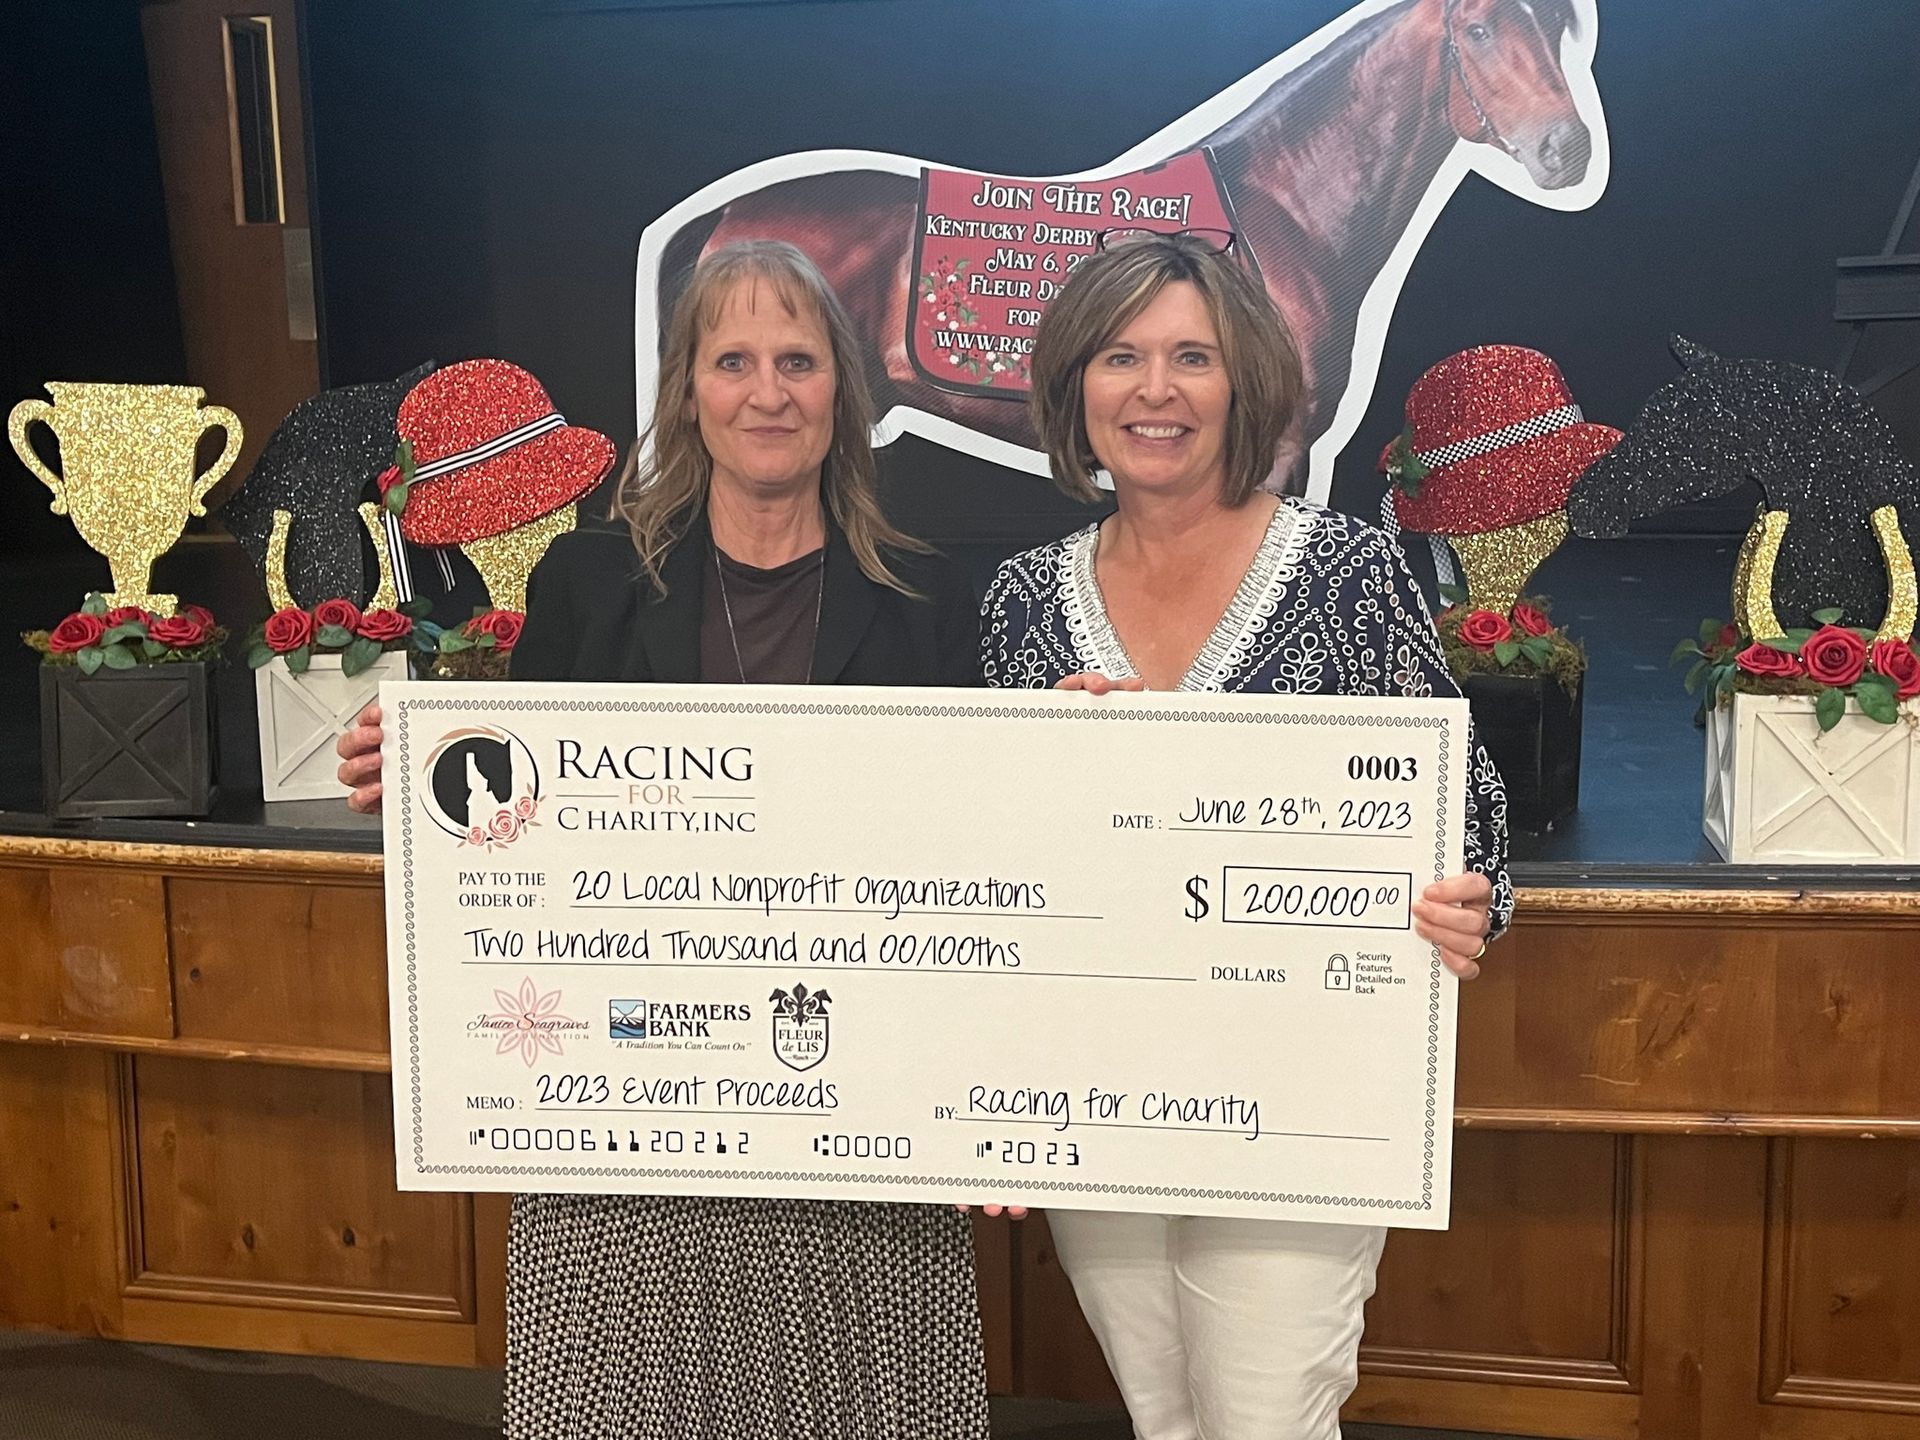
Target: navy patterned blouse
{"type": "Point", "coordinates": [1326, 608]}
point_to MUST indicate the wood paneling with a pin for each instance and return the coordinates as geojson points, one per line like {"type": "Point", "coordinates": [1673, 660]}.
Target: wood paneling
{"type": "Point", "coordinates": [303, 962]}
{"type": "Point", "coordinates": [1666, 1223]}
{"type": "Point", "coordinates": [1769, 1017]}
{"type": "Point", "coordinates": [1842, 1319]}
{"type": "Point", "coordinates": [60, 1190]}
{"type": "Point", "coordinates": [276, 1186]}
{"type": "Point", "coordinates": [1535, 1278]}
{"type": "Point", "coordinates": [86, 951]}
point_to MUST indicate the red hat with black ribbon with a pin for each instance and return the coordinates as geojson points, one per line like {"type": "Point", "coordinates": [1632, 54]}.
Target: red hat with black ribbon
{"type": "Point", "coordinates": [490, 455]}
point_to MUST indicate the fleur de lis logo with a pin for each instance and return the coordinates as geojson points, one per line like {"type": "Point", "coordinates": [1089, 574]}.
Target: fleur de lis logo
{"type": "Point", "coordinates": [800, 1026]}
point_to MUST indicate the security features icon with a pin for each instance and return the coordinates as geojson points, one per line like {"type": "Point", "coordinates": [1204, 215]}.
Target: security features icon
{"type": "Point", "coordinates": [1338, 976]}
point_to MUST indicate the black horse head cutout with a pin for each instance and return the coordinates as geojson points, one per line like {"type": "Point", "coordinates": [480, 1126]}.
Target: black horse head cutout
{"type": "Point", "coordinates": [318, 466]}
{"type": "Point", "coordinates": [1841, 503]}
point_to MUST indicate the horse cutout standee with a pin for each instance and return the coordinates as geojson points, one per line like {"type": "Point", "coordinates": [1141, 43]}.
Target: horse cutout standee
{"type": "Point", "coordinates": [1331, 163]}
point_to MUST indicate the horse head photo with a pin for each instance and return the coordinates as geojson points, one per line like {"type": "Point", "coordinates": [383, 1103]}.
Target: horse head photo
{"type": "Point", "coordinates": [1839, 502]}
{"type": "Point", "coordinates": [1330, 164]}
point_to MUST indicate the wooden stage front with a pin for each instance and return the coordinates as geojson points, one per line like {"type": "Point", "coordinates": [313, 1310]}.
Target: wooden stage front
{"type": "Point", "coordinates": [1686, 1190]}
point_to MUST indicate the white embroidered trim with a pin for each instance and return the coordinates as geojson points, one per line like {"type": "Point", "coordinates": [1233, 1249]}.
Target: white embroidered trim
{"type": "Point", "coordinates": [1254, 602]}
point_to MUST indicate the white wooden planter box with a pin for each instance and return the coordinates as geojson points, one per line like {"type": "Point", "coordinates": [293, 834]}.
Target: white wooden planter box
{"type": "Point", "coordinates": [1780, 790]}
{"type": "Point", "coordinates": [300, 716]}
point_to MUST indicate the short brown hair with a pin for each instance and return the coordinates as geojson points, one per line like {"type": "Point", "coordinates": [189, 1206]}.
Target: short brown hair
{"type": "Point", "coordinates": [1109, 289]}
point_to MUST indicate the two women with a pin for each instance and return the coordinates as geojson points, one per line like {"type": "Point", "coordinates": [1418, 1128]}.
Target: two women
{"type": "Point", "coordinates": [1166, 366]}
{"type": "Point", "coordinates": [755, 554]}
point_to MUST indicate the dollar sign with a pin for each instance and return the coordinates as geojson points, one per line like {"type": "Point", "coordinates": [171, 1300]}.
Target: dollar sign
{"type": "Point", "coordinates": [1197, 906]}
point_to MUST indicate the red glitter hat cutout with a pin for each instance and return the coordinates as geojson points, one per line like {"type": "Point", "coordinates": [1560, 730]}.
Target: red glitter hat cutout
{"type": "Point", "coordinates": [491, 453]}
{"type": "Point", "coordinates": [1501, 438]}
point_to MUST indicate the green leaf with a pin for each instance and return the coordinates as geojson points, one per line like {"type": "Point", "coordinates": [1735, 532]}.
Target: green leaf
{"type": "Point", "coordinates": [299, 660]}
{"type": "Point", "coordinates": [1709, 633]}
{"type": "Point", "coordinates": [1719, 681]}
{"type": "Point", "coordinates": [1783, 642]}
{"type": "Point", "coordinates": [1454, 594]}
{"type": "Point", "coordinates": [1684, 649]}
{"type": "Point", "coordinates": [90, 659]}
{"type": "Point", "coordinates": [259, 656]}
{"type": "Point", "coordinates": [452, 642]}
{"type": "Point", "coordinates": [1829, 707]}
{"type": "Point", "coordinates": [417, 608]}
{"type": "Point", "coordinates": [396, 498]}
{"type": "Point", "coordinates": [153, 648]}
{"type": "Point", "coordinates": [1697, 674]}
{"type": "Point", "coordinates": [403, 458]}
{"type": "Point", "coordinates": [1877, 700]}
{"type": "Point", "coordinates": [359, 655]}
{"type": "Point", "coordinates": [486, 640]}
{"type": "Point", "coordinates": [1537, 649]}
{"type": "Point", "coordinates": [335, 637]}
{"type": "Point", "coordinates": [95, 604]}
{"type": "Point", "coordinates": [125, 630]}
{"type": "Point", "coordinates": [118, 657]}
{"type": "Point", "coordinates": [1829, 616]}
{"type": "Point", "coordinates": [1506, 651]}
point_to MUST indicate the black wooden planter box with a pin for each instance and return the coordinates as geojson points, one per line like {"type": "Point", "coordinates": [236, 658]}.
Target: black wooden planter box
{"type": "Point", "coordinates": [127, 742]}
{"type": "Point", "coordinates": [1531, 728]}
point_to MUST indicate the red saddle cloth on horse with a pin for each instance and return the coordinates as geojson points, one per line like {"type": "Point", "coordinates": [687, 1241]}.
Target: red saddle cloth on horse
{"type": "Point", "coordinates": [991, 252]}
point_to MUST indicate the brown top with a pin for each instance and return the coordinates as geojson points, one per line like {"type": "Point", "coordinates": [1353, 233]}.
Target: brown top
{"type": "Point", "coordinates": [775, 620]}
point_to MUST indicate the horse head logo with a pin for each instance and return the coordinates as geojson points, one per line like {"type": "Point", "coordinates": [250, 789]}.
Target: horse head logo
{"type": "Point", "coordinates": [1332, 161]}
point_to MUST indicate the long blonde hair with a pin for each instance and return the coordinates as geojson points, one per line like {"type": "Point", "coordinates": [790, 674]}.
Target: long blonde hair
{"type": "Point", "coordinates": [657, 495]}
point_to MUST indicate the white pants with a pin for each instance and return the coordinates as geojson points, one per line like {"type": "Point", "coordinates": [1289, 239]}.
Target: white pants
{"type": "Point", "coordinates": [1223, 1329]}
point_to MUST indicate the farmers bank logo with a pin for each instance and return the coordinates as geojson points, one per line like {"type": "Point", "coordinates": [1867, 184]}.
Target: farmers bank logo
{"type": "Point", "coordinates": [482, 786]}
{"type": "Point", "coordinates": [528, 1022]}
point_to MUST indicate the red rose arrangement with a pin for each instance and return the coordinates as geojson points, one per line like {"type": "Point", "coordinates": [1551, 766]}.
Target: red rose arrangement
{"type": "Point", "coordinates": [1525, 641]}
{"type": "Point", "coordinates": [120, 637]}
{"type": "Point", "coordinates": [479, 648]}
{"type": "Point", "coordinates": [1832, 664]}
{"type": "Point", "coordinates": [335, 627]}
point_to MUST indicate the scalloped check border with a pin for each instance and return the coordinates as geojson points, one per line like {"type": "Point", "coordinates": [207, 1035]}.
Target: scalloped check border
{"type": "Point", "coordinates": [1081, 714]}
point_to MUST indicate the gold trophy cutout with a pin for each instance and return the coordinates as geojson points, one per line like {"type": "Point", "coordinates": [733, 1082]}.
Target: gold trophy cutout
{"type": "Point", "coordinates": [127, 453]}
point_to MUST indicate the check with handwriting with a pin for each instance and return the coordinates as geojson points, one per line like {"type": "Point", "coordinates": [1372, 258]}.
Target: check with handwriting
{"type": "Point", "coordinates": [1139, 952]}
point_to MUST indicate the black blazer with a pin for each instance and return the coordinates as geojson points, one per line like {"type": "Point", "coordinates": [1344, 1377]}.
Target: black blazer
{"type": "Point", "coordinates": [592, 615]}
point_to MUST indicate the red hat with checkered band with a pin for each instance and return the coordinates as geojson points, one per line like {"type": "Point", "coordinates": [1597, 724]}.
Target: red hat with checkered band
{"type": "Point", "coordinates": [1493, 439]}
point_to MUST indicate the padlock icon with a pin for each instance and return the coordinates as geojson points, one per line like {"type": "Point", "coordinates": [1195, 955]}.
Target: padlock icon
{"type": "Point", "coordinates": [1338, 976]}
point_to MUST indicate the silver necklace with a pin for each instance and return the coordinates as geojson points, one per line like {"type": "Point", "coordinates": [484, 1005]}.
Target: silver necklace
{"type": "Point", "coordinates": [726, 604]}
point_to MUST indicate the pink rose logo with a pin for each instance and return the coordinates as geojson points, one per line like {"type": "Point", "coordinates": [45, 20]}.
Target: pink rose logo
{"type": "Point", "coordinates": [524, 807]}
{"type": "Point", "coordinates": [476, 836]}
{"type": "Point", "coordinates": [503, 826]}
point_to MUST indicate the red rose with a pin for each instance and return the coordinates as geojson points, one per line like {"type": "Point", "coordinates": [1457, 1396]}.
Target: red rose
{"type": "Point", "coordinates": [183, 632]}
{"type": "Point", "coordinates": [289, 629]}
{"type": "Point", "coordinates": [387, 479]}
{"type": "Point", "coordinates": [1896, 660]}
{"type": "Point", "coordinates": [343, 613]}
{"type": "Point", "coordinates": [383, 625]}
{"type": "Point", "coordinates": [1533, 621]}
{"type": "Point", "coordinates": [1483, 629]}
{"type": "Point", "coordinates": [503, 625]}
{"type": "Point", "coordinates": [1765, 660]}
{"type": "Point", "coordinates": [1729, 637]}
{"type": "Point", "coordinates": [76, 632]}
{"type": "Point", "coordinates": [121, 614]}
{"type": "Point", "coordinates": [1834, 656]}
{"type": "Point", "coordinates": [200, 613]}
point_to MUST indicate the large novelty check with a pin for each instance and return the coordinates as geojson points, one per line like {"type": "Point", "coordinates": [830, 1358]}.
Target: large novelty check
{"type": "Point", "coordinates": [1148, 952]}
